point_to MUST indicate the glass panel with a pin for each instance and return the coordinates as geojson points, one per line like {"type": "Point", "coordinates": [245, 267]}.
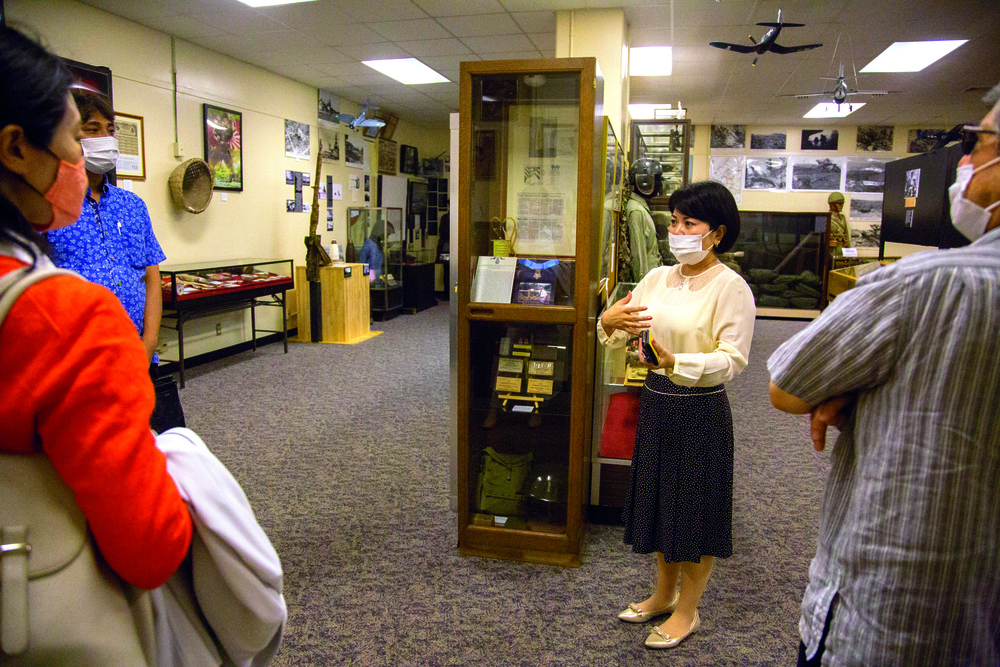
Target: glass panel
{"type": "Point", "coordinates": [375, 237]}
{"type": "Point", "coordinates": [610, 205]}
{"type": "Point", "coordinates": [525, 136]}
{"type": "Point", "coordinates": [520, 407]}
{"type": "Point", "coordinates": [668, 143]}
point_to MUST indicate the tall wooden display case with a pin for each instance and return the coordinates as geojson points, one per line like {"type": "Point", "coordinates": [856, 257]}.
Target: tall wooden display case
{"type": "Point", "coordinates": [531, 151]}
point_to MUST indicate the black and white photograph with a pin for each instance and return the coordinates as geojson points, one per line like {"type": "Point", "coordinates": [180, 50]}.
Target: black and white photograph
{"type": "Point", "coordinates": [329, 224]}
{"type": "Point", "coordinates": [306, 178]}
{"type": "Point", "coordinates": [874, 138]}
{"type": "Point", "coordinates": [329, 145]}
{"type": "Point", "coordinates": [729, 136]}
{"type": "Point", "coordinates": [866, 210]}
{"type": "Point", "coordinates": [775, 141]}
{"type": "Point", "coordinates": [912, 188]}
{"type": "Point", "coordinates": [542, 136]}
{"type": "Point", "coordinates": [865, 234]}
{"type": "Point", "coordinates": [368, 183]}
{"type": "Point", "coordinates": [865, 175]}
{"type": "Point", "coordinates": [820, 140]}
{"type": "Point", "coordinates": [810, 173]}
{"type": "Point", "coordinates": [329, 216]}
{"type": "Point", "coordinates": [290, 206]}
{"type": "Point", "coordinates": [766, 173]}
{"type": "Point", "coordinates": [909, 218]}
{"type": "Point", "coordinates": [328, 107]}
{"type": "Point", "coordinates": [289, 177]}
{"type": "Point", "coordinates": [296, 139]}
{"type": "Point", "coordinates": [354, 151]}
{"type": "Point", "coordinates": [922, 141]}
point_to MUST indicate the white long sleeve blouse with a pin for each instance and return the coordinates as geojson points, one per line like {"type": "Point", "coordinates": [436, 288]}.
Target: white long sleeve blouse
{"type": "Point", "coordinates": [706, 321]}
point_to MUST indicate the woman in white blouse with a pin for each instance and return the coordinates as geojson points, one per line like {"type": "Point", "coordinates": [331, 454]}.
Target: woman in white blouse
{"type": "Point", "coordinates": [700, 315]}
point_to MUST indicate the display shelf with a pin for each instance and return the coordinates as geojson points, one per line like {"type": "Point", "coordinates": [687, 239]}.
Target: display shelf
{"type": "Point", "coordinates": [195, 290]}
{"type": "Point", "coordinates": [532, 149]}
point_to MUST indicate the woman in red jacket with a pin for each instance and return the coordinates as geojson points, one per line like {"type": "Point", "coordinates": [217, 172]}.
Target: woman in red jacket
{"type": "Point", "coordinates": [74, 379]}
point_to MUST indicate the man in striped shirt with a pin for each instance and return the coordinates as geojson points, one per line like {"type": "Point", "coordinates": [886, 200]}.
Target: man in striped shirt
{"type": "Point", "coordinates": [907, 566]}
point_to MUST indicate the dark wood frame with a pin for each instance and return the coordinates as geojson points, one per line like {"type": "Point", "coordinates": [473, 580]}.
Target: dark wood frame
{"type": "Point", "coordinates": [409, 162]}
{"type": "Point", "coordinates": [552, 548]}
{"type": "Point", "coordinates": [388, 162]}
{"type": "Point", "coordinates": [205, 141]}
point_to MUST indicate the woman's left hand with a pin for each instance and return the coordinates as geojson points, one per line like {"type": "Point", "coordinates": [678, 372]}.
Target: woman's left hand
{"type": "Point", "coordinates": [665, 356]}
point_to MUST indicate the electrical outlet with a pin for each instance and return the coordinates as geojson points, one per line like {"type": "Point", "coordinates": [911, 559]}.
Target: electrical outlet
{"type": "Point", "coordinates": [218, 328]}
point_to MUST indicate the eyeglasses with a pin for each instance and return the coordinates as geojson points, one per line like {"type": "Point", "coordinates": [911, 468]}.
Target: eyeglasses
{"type": "Point", "coordinates": [970, 135]}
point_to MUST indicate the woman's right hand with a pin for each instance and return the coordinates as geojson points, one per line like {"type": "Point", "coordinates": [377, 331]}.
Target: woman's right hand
{"type": "Point", "coordinates": [625, 317]}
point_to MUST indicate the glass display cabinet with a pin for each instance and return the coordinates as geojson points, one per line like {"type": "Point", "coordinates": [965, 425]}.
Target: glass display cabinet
{"type": "Point", "coordinates": [531, 193]}
{"type": "Point", "coordinates": [614, 173]}
{"type": "Point", "coordinates": [376, 237]}
{"type": "Point", "coordinates": [669, 142]}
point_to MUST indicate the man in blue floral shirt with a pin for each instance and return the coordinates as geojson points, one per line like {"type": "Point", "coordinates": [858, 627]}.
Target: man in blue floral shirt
{"type": "Point", "coordinates": [113, 244]}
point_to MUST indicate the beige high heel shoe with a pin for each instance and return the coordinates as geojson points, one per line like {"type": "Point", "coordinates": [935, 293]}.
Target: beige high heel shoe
{"type": "Point", "coordinates": [633, 615]}
{"type": "Point", "coordinates": [659, 639]}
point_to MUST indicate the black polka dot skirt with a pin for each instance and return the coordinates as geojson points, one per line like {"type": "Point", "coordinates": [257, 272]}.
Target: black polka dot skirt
{"type": "Point", "coordinates": [680, 491]}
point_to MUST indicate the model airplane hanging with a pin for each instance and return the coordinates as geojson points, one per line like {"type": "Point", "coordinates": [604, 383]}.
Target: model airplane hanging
{"type": "Point", "coordinates": [841, 92]}
{"type": "Point", "coordinates": [768, 42]}
{"type": "Point", "coordinates": [361, 120]}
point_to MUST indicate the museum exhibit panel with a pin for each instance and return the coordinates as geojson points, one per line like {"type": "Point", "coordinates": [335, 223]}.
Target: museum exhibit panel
{"type": "Point", "coordinates": [531, 187]}
{"type": "Point", "coordinates": [377, 236]}
{"type": "Point", "coordinates": [200, 289]}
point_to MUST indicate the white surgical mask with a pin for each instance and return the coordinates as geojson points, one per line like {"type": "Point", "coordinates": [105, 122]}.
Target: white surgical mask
{"type": "Point", "coordinates": [100, 153]}
{"type": "Point", "coordinates": [967, 216]}
{"type": "Point", "coordinates": [687, 247]}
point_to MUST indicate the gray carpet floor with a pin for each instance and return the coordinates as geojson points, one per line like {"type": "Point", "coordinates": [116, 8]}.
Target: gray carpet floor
{"type": "Point", "coordinates": [343, 453]}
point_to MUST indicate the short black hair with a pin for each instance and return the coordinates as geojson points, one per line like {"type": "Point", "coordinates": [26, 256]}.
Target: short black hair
{"type": "Point", "coordinates": [709, 202]}
{"type": "Point", "coordinates": [90, 103]}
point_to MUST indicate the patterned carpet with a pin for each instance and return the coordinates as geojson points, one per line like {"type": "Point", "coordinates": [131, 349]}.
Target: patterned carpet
{"type": "Point", "coordinates": [343, 453]}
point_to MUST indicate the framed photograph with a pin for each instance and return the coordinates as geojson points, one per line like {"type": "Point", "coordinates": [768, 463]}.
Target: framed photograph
{"type": "Point", "coordinates": [865, 175]}
{"type": "Point", "coordinates": [766, 173]}
{"type": "Point", "coordinates": [223, 134]}
{"type": "Point", "coordinates": [131, 147]}
{"type": "Point", "coordinates": [387, 157]}
{"type": "Point", "coordinates": [408, 160]}
{"type": "Point", "coordinates": [774, 141]}
{"type": "Point", "coordinates": [874, 137]}
{"type": "Point", "coordinates": [296, 139]}
{"type": "Point", "coordinates": [815, 173]}
{"type": "Point", "coordinates": [728, 136]}
{"type": "Point", "coordinates": [354, 151]}
{"type": "Point", "coordinates": [820, 140]}
{"type": "Point", "coordinates": [328, 107]}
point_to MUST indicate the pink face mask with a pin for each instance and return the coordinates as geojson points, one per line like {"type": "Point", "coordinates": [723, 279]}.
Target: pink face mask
{"type": "Point", "coordinates": [66, 195]}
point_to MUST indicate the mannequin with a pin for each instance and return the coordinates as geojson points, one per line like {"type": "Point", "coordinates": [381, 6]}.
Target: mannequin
{"type": "Point", "coordinates": [646, 177]}
{"type": "Point", "coordinates": [840, 235]}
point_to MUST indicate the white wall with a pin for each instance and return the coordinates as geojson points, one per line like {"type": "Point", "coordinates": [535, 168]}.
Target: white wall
{"type": "Point", "coordinates": [252, 223]}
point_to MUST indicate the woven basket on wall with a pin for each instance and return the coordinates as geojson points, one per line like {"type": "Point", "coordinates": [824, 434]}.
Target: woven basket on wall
{"type": "Point", "coordinates": [191, 185]}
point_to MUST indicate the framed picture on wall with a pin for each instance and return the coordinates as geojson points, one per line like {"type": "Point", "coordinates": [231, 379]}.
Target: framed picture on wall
{"type": "Point", "coordinates": [131, 147]}
{"type": "Point", "coordinates": [387, 157]}
{"type": "Point", "coordinates": [408, 160]}
{"type": "Point", "coordinates": [223, 134]}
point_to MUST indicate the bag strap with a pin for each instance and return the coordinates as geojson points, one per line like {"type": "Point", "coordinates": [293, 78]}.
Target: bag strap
{"type": "Point", "coordinates": [18, 280]}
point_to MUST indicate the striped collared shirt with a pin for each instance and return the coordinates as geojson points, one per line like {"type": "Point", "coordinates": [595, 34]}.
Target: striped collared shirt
{"type": "Point", "coordinates": [908, 554]}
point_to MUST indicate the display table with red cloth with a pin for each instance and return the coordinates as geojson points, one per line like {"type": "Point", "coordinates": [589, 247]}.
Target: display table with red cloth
{"type": "Point", "coordinates": [618, 434]}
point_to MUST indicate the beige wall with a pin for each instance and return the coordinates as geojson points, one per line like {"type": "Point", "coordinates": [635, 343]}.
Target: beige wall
{"type": "Point", "coordinates": [252, 223]}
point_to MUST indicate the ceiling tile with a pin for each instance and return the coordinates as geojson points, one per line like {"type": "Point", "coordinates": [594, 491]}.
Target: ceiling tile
{"type": "Point", "coordinates": [408, 30]}
{"type": "Point", "coordinates": [380, 10]}
{"type": "Point", "coordinates": [310, 56]}
{"type": "Point", "coordinates": [136, 11]}
{"type": "Point", "coordinates": [378, 51]}
{"type": "Point", "coordinates": [514, 55]}
{"type": "Point", "coordinates": [460, 7]}
{"type": "Point", "coordinates": [345, 69]}
{"type": "Point", "coordinates": [185, 27]}
{"type": "Point", "coordinates": [450, 63]}
{"type": "Point", "coordinates": [309, 15]}
{"type": "Point", "coordinates": [543, 41]}
{"type": "Point", "coordinates": [268, 41]}
{"type": "Point", "coordinates": [434, 47]}
{"type": "Point", "coordinates": [483, 24]}
{"type": "Point", "coordinates": [364, 80]}
{"type": "Point", "coordinates": [499, 44]}
{"type": "Point", "coordinates": [343, 35]}
{"type": "Point", "coordinates": [239, 20]}
{"type": "Point", "coordinates": [536, 21]}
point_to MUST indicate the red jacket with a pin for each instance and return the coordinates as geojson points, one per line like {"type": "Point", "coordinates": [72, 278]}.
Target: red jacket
{"type": "Point", "coordinates": [74, 383]}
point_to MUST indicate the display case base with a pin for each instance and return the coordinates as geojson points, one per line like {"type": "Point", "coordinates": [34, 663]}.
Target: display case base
{"type": "Point", "coordinates": [525, 555]}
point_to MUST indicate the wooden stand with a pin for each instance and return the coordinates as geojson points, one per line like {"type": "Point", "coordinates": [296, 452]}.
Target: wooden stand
{"type": "Point", "coordinates": [346, 313]}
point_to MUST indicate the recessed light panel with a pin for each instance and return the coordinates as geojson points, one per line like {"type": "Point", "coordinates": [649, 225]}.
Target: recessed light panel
{"type": "Point", "coordinates": [650, 61]}
{"type": "Point", "coordinates": [911, 56]}
{"type": "Point", "coordinates": [406, 70]}
{"type": "Point", "coordinates": [831, 110]}
{"type": "Point", "coordinates": [271, 3]}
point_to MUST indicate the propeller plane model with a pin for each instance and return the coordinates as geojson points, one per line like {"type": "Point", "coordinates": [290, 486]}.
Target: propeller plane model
{"type": "Point", "coordinates": [768, 42]}
{"type": "Point", "coordinates": [362, 119]}
{"type": "Point", "coordinates": [840, 91]}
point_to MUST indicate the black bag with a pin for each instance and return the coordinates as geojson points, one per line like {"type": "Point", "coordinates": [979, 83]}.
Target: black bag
{"type": "Point", "coordinates": [167, 413]}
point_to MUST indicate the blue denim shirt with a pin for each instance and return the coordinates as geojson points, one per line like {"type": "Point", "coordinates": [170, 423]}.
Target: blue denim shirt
{"type": "Point", "coordinates": [111, 244]}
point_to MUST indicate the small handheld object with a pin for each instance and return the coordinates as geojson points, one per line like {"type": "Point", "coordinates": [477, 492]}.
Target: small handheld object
{"type": "Point", "coordinates": [648, 351]}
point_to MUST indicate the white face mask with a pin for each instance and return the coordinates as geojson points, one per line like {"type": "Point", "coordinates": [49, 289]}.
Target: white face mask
{"type": "Point", "coordinates": [967, 216]}
{"type": "Point", "coordinates": [100, 153]}
{"type": "Point", "coordinates": [687, 247]}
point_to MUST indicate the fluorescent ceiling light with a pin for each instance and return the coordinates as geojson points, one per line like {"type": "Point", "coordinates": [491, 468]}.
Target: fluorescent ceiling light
{"type": "Point", "coordinates": [912, 56]}
{"type": "Point", "coordinates": [831, 110]}
{"type": "Point", "coordinates": [271, 3]}
{"type": "Point", "coordinates": [650, 61]}
{"type": "Point", "coordinates": [406, 70]}
{"type": "Point", "coordinates": [645, 111]}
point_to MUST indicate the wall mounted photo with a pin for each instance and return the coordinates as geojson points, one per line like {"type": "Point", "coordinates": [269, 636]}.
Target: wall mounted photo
{"type": "Point", "coordinates": [775, 141]}
{"type": "Point", "coordinates": [409, 162]}
{"type": "Point", "coordinates": [766, 173]}
{"type": "Point", "coordinates": [874, 138]}
{"type": "Point", "coordinates": [820, 140]}
{"type": "Point", "coordinates": [387, 157]}
{"type": "Point", "coordinates": [866, 234]}
{"type": "Point", "coordinates": [328, 107]}
{"type": "Point", "coordinates": [131, 147]}
{"type": "Point", "coordinates": [922, 141]}
{"type": "Point", "coordinates": [912, 189]}
{"type": "Point", "coordinates": [729, 136]}
{"type": "Point", "coordinates": [329, 144]}
{"type": "Point", "coordinates": [866, 210]}
{"type": "Point", "coordinates": [354, 151]}
{"type": "Point", "coordinates": [729, 172]}
{"type": "Point", "coordinates": [296, 139]}
{"type": "Point", "coordinates": [223, 135]}
{"type": "Point", "coordinates": [816, 173]}
{"type": "Point", "coordinates": [865, 175]}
